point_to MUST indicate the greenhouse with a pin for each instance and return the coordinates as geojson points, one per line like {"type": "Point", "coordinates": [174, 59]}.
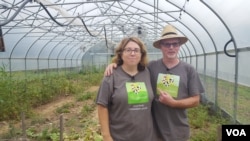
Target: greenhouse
{"type": "Point", "coordinates": [56, 51]}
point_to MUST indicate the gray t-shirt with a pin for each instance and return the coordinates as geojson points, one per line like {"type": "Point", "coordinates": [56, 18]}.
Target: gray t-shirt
{"type": "Point", "coordinates": [128, 99]}
{"type": "Point", "coordinates": [172, 123]}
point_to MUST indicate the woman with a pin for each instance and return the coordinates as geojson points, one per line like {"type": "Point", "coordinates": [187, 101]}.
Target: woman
{"type": "Point", "coordinates": [125, 97]}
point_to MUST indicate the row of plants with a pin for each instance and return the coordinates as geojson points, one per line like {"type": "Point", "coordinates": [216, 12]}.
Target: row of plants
{"type": "Point", "coordinates": [20, 92]}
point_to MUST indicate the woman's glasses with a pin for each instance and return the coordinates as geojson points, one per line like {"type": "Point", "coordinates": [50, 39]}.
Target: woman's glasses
{"type": "Point", "coordinates": [129, 50]}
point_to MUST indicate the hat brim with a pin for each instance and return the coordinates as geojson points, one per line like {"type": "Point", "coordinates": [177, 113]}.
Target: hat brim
{"type": "Point", "coordinates": [183, 40]}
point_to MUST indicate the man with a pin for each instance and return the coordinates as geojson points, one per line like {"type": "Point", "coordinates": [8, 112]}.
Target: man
{"type": "Point", "coordinates": [176, 86]}
{"type": "Point", "coordinates": [169, 110]}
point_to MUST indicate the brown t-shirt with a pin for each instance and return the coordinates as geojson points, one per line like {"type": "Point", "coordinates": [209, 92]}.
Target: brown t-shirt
{"type": "Point", "coordinates": [128, 99]}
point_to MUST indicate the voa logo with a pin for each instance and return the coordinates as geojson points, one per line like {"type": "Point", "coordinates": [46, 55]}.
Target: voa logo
{"type": "Point", "coordinates": [236, 132]}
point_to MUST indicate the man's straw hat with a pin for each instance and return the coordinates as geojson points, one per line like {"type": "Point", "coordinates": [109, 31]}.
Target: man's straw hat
{"type": "Point", "coordinates": [170, 32]}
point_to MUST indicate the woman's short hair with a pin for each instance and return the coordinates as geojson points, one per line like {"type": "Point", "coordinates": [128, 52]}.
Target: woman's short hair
{"type": "Point", "coordinates": [119, 49]}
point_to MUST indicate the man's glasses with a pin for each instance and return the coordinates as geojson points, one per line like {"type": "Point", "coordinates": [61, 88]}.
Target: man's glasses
{"type": "Point", "coordinates": [129, 50]}
{"type": "Point", "coordinates": [168, 45]}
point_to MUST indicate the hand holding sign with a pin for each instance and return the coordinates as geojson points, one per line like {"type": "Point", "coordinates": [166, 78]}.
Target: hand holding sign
{"type": "Point", "coordinates": [166, 98]}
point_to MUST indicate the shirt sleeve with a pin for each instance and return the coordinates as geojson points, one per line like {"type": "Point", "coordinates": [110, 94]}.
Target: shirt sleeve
{"type": "Point", "coordinates": [105, 91]}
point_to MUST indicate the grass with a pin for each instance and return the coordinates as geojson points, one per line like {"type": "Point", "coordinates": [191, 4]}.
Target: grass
{"type": "Point", "coordinates": [226, 99]}
{"type": "Point", "coordinates": [204, 124]}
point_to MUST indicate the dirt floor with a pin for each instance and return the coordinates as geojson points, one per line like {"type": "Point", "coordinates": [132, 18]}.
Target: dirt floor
{"type": "Point", "coordinates": [48, 111]}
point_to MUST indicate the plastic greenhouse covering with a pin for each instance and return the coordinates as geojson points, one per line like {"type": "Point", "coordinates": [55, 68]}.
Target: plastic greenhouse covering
{"type": "Point", "coordinates": [44, 35]}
